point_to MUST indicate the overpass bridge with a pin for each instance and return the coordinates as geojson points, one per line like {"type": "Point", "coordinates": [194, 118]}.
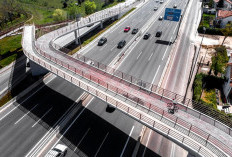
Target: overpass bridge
{"type": "Point", "coordinates": [199, 132]}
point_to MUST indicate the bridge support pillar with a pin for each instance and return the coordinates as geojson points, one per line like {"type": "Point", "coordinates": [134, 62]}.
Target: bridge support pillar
{"type": "Point", "coordinates": [101, 24]}
{"type": "Point", "coordinates": [76, 37]}
{"type": "Point", "coordinates": [36, 69]}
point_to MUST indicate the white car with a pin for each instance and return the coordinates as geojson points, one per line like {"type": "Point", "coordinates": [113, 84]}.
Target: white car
{"type": "Point", "coordinates": [161, 1]}
{"type": "Point", "coordinates": [59, 150]}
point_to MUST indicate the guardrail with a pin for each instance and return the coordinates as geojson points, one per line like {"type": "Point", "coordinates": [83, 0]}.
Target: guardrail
{"type": "Point", "coordinates": [196, 131]}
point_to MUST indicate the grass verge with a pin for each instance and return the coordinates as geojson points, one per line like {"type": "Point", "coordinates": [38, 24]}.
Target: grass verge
{"type": "Point", "coordinates": [98, 34]}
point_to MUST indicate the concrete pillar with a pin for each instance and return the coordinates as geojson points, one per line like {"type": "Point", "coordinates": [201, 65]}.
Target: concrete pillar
{"type": "Point", "coordinates": [36, 69]}
{"type": "Point", "coordinates": [76, 37]}
{"type": "Point", "coordinates": [101, 24]}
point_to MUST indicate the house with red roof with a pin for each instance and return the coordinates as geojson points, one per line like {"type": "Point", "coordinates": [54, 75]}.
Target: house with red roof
{"type": "Point", "coordinates": [224, 16]}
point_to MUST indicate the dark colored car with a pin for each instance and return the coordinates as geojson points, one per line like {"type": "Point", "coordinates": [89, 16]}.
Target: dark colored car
{"type": "Point", "coordinates": [134, 31]}
{"type": "Point", "coordinates": [158, 34]}
{"type": "Point", "coordinates": [156, 8]}
{"type": "Point", "coordinates": [146, 36]}
{"type": "Point", "coordinates": [121, 44]}
{"type": "Point", "coordinates": [102, 41]}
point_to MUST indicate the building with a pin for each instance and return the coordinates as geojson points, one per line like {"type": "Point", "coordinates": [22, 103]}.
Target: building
{"type": "Point", "coordinates": [223, 17]}
{"type": "Point", "coordinates": [227, 87]}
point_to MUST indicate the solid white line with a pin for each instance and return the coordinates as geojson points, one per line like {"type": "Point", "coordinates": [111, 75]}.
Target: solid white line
{"type": "Point", "coordinates": [150, 56]}
{"type": "Point", "coordinates": [42, 117]}
{"type": "Point", "coordinates": [82, 139]}
{"type": "Point", "coordinates": [139, 55]}
{"type": "Point", "coordinates": [127, 141]}
{"type": "Point", "coordinates": [155, 75]}
{"type": "Point", "coordinates": [113, 48]}
{"type": "Point", "coordinates": [72, 123]}
{"type": "Point", "coordinates": [166, 50]}
{"type": "Point", "coordinates": [25, 114]}
{"type": "Point", "coordinates": [101, 144]}
{"type": "Point", "coordinates": [44, 138]}
{"type": "Point", "coordinates": [146, 144]}
{"type": "Point", "coordinates": [172, 154]}
{"type": "Point", "coordinates": [187, 63]}
{"type": "Point", "coordinates": [24, 101]}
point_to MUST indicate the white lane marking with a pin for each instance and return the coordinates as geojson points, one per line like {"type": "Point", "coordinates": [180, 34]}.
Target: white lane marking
{"type": "Point", "coordinates": [82, 139]}
{"type": "Point", "coordinates": [150, 56]}
{"type": "Point", "coordinates": [146, 143]}
{"type": "Point", "coordinates": [155, 75]}
{"type": "Point", "coordinates": [72, 123]}
{"type": "Point", "coordinates": [187, 63]}
{"type": "Point", "coordinates": [42, 117]}
{"type": "Point", "coordinates": [127, 141]}
{"type": "Point", "coordinates": [166, 50]}
{"type": "Point", "coordinates": [173, 150]}
{"type": "Point", "coordinates": [101, 144]}
{"type": "Point", "coordinates": [44, 138]}
{"type": "Point", "coordinates": [103, 47]}
{"type": "Point", "coordinates": [25, 114]}
{"type": "Point", "coordinates": [23, 101]}
{"type": "Point", "coordinates": [113, 48]}
{"type": "Point", "coordinates": [139, 55]}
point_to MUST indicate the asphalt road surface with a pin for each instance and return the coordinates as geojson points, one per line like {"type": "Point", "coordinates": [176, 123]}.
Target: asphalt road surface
{"type": "Point", "coordinates": [21, 130]}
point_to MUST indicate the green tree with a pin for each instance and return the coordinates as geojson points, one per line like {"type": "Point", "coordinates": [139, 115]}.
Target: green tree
{"type": "Point", "coordinates": [227, 31]}
{"type": "Point", "coordinates": [59, 15]}
{"type": "Point", "coordinates": [220, 60]}
{"type": "Point", "coordinates": [90, 7]}
{"type": "Point", "coordinates": [72, 10]}
{"type": "Point", "coordinates": [220, 4]}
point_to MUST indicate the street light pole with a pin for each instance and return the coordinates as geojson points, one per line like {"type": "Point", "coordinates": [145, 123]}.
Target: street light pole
{"type": "Point", "coordinates": [79, 39]}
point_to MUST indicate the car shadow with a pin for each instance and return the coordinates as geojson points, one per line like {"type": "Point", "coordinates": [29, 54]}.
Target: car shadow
{"type": "Point", "coordinates": [163, 42]}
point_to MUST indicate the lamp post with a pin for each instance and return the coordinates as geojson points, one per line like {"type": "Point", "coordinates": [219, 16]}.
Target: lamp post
{"type": "Point", "coordinates": [78, 17]}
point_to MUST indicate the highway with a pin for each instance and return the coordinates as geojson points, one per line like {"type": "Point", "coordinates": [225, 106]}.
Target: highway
{"type": "Point", "coordinates": [148, 58]}
{"type": "Point", "coordinates": [22, 129]}
{"type": "Point", "coordinates": [106, 53]}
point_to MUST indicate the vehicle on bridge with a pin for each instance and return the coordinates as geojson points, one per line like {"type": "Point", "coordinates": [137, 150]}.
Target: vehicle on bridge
{"type": "Point", "coordinates": [59, 150]}
{"type": "Point", "coordinates": [121, 44]}
{"type": "Point", "coordinates": [102, 41]}
{"type": "Point", "coordinates": [127, 29]}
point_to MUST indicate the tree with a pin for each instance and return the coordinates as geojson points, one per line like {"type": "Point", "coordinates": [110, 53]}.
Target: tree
{"type": "Point", "coordinates": [72, 10]}
{"type": "Point", "coordinates": [227, 31]}
{"type": "Point", "coordinates": [59, 15]}
{"type": "Point", "coordinates": [90, 7]}
{"type": "Point", "coordinates": [220, 60]}
{"type": "Point", "coordinates": [220, 4]}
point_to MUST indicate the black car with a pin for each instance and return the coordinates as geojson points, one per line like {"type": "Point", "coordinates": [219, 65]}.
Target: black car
{"type": "Point", "coordinates": [146, 36]}
{"type": "Point", "coordinates": [102, 41]}
{"type": "Point", "coordinates": [121, 44]}
{"type": "Point", "coordinates": [134, 31]}
{"type": "Point", "coordinates": [158, 34]}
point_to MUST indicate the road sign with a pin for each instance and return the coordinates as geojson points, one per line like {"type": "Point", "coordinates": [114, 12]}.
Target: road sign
{"type": "Point", "coordinates": [172, 14]}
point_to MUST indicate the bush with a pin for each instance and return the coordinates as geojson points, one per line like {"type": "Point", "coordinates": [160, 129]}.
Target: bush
{"type": "Point", "coordinates": [59, 15]}
{"type": "Point", "coordinates": [211, 31]}
{"type": "Point", "coordinates": [90, 7]}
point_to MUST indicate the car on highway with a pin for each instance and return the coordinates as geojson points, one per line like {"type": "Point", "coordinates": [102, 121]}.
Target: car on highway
{"type": "Point", "coordinates": [161, 1]}
{"type": "Point", "coordinates": [59, 150]}
{"type": "Point", "coordinates": [134, 31]}
{"type": "Point", "coordinates": [174, 6]}
{"type": "Point", "coordinates": [121, 44]}
{"type": "Point", "coordinates": [102, 41]}
{"type": "Point", "coordinates": [158, 34]}
{"type": "Point", "coordinates": [156, 8]}
{"type": "Point", "coordinates": [161, 18]}
{"type": "Point", "coordinates": [146, 36]}
{"type": "Point", "coordinates": [127, 29]}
